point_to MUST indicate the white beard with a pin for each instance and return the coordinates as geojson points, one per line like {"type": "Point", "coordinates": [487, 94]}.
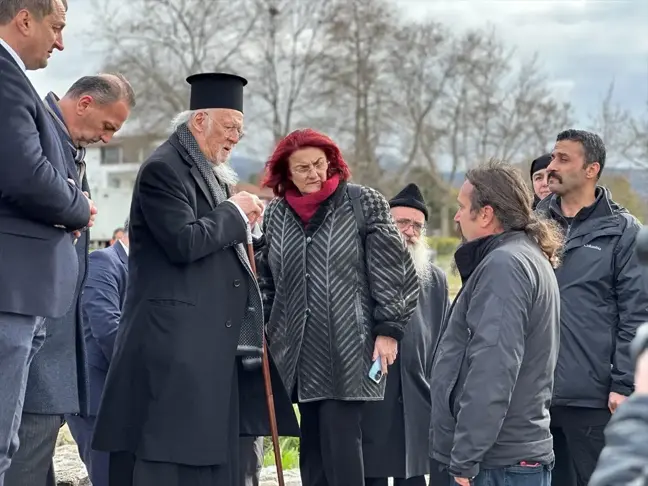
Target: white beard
{"type": "Point", "coordinates": [421, 256]}
{"type": "Point", "coordinates": [226, 174]}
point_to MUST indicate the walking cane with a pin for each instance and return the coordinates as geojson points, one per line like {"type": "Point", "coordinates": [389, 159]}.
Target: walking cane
{"type": "Point", "coordinates": [272, 416]}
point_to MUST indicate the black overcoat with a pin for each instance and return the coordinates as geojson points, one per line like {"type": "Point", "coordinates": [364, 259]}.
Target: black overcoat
{"type": "Point", "coordinates": [168, 390]}
{"type": "Point", "coordinates": [395, 431]}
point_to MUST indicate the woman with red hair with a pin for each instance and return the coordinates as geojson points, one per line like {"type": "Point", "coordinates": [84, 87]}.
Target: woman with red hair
{"type": "Point", "coordinates": [339, 287]}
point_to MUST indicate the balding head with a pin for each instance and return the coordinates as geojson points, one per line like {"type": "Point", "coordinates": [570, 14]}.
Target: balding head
{"type": "Point", "coordinates": [96, 107]}
{"type": "Point", "coordinates": [104, 89]}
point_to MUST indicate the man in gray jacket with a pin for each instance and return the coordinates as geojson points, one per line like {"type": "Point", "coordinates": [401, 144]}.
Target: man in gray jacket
{"type": "Point", "coordinates": [492, 376]}
{"type": "Point", "coordinates": [604, 293]}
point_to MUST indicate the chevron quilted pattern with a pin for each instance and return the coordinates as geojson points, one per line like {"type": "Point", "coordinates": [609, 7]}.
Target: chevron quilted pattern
{"type": "Point", "coordinates": [323, 294]}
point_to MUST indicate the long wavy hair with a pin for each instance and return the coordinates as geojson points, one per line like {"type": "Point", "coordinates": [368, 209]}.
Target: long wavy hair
{"type": "Point", "coordinates": [277, 176]}
{"type": "Point", "coordinates": [502, 187]}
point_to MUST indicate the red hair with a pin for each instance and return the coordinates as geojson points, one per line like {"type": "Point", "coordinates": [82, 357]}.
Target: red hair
{"type": "Point", "coordinates": [276, 175]}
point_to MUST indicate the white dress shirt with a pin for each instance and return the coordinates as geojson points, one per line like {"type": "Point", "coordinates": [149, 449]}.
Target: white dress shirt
{"type": "Point", "coordinates": [13, 54]}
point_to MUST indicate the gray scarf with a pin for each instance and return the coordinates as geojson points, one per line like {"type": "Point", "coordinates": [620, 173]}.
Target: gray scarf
{"type": "Point", "coordinates": [250, 344]}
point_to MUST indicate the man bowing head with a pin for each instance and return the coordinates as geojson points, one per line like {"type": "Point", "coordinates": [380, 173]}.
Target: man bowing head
{"type": "Point", "coordinates": [185, 380]}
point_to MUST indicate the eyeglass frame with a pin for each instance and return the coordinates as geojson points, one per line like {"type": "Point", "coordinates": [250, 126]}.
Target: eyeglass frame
{"type": "Point", "coordinates": [405, 223]}
{"type": "Point", "coordinates": [311, 167]}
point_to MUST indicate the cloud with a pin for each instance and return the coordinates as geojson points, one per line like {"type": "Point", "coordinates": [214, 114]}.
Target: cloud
{"type": "Point", "coordinates": [582, 44]}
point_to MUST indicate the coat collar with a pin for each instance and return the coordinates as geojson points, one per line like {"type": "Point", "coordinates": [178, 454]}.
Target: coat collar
{"type": "Point", "coordinates": [470, 254]}
{"type": "Point", "coordinates": [195, 173]}
{"type": "Point", "coordinates": [119, 249]}
{"type": "Point", "coordinates": [8, 52]}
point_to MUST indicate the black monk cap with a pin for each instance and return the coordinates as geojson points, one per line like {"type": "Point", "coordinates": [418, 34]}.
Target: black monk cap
{"type": "Point", "coordinates": [540, 163]}
{"type": "Point", "coordinates": [410, 197]}
{"type": "Point", "coordinates": [216, 90]}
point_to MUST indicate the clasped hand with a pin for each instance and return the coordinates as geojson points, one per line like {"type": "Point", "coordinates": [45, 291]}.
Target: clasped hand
{"type": "Point", "coordinates": [250, 204]}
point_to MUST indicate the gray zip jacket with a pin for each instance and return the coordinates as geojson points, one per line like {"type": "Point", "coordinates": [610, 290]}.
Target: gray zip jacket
{"type": "Point", "coordinates": [493, 371]}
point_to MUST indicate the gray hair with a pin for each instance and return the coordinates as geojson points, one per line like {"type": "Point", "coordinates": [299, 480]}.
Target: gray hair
{"type": "Point", "coordinates": [105, 89]}
{"type": "Point", "coordinates": [38, 8]}
{"type": "Point", "coordinates": [180, 118]}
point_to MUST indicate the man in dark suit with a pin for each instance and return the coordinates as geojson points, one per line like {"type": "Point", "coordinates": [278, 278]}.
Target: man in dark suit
{"type": "Point", "coordinates": [101, 302]}
{"type": "Point", "coordinates": [93, 110]}
{"type": "Point", "coordinates": [185, 380]}
{"type": "Point", "coordinates": [42, 207]}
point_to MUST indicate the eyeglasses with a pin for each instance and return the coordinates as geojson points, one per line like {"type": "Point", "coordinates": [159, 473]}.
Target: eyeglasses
{"type": "Point", "coordinates": [305, 169]}
{"type": "Point", "coordinates": [404, 224]}
{"type": "Point", "coordinates": [232, 131]}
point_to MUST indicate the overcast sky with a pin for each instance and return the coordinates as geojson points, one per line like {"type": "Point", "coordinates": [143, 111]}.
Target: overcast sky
{"type": "Point", "coordinates": [583, 44]}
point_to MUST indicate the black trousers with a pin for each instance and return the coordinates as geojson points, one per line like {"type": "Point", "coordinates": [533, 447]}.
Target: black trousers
{"type": "Point", "coordinates": [330, 451]}
{"type": "Point", "coordinates": [578, 442]}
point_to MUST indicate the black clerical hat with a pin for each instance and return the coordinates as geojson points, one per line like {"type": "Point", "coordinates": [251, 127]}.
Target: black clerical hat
{"type": "Point", "coordinates": [541, 162]}
{"type": "Point", "coordinates": [216, 90]}
{"type": "Point", "coordinates": [410, 197]}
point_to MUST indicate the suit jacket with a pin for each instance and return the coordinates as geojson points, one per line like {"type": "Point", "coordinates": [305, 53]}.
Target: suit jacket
{"type": "Point", "coordinates": [58, 380]}
{"type": "Point", "coordinates": [38, 262]}
{"type": "Point", "coordinates": [168, 392]}
{"type": "Point", "coordinates": [102, 302]}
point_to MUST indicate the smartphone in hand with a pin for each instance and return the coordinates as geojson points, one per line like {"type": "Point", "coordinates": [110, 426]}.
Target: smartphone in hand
{"type": "Point", "coordinates": [375, 373]}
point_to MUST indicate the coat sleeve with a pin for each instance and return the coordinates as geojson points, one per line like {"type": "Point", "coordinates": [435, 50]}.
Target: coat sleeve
{"type": "Point", "coordinates": [631, 284]}
{"type": "Point", "coordinates": [393, 283]}
{"type": "Point", "coordinates": [497, 318]}
{"type": "Point", "coordinates": [171, 218]}
{"type": "Point", "coordinates": [624, 459]}
{"type": "Point", "coordinates": [100, 301]}
{"type": "Point", "coordinates": [264, 273]}
{"type": "Point", "coordinates": [27, 179]}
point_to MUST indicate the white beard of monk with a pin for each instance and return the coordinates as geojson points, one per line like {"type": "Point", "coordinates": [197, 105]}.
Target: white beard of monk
{"type": "Point", "coordinates": [420, 254]}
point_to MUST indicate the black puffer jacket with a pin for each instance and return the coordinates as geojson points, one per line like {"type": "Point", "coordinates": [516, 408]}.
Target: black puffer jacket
{"type": "Point", "coordinates": [604, 298]}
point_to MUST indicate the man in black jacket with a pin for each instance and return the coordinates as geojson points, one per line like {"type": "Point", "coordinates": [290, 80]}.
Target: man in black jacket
{"type": "Point", "coordinates": [539, 178]}
{"type": "Point", "coordinates": [604, 295]}
{"type": "Point", "coordinates": [494, 367]}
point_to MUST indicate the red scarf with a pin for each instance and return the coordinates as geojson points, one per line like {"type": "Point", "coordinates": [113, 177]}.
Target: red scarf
{"type": "Point", "coordinates": [306, 205]}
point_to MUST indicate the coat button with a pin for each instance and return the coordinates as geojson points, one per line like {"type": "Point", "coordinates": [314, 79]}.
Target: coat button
{"type": "Point", "coordinates": [307, 312]}
{"type": "Point", "coordinates": [400, 399]}
{"type": "Point", "coordinates": [237, 283]}
{"type": "Point", "coordinates": [307, 276]}
{"type": "Point", "coordinates": [228, 323]}
{"type": "Point", "coordinates": [309, 239]}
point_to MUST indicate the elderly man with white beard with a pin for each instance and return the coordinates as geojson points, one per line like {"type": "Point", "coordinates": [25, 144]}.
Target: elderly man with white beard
{"type": "Point", "coordinates": [185, 380]}
{"type": "Point", "coordinates": [395, 430]}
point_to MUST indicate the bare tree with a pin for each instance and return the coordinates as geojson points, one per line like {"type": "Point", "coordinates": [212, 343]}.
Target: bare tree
{"type": "Point", "coordinates": [498, 109]}
{"type": "Point", "coordinates": [355, 99]}
{"type": "Point", "coordinates": [158, 43]}
{"type": "Point", "coordinates": [422, 65]}
{"type": "Point", "coordinates": [282, 60]}
{"type": "Point", "coordinates": [615, 126]}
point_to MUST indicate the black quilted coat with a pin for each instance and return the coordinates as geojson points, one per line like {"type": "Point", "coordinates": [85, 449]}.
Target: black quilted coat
{"type": "Point", "coordinates": [327, 294]}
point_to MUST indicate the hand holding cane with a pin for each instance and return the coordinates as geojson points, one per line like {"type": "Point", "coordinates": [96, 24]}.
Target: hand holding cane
{"type": "Point", "coordinates": [272, 416]}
